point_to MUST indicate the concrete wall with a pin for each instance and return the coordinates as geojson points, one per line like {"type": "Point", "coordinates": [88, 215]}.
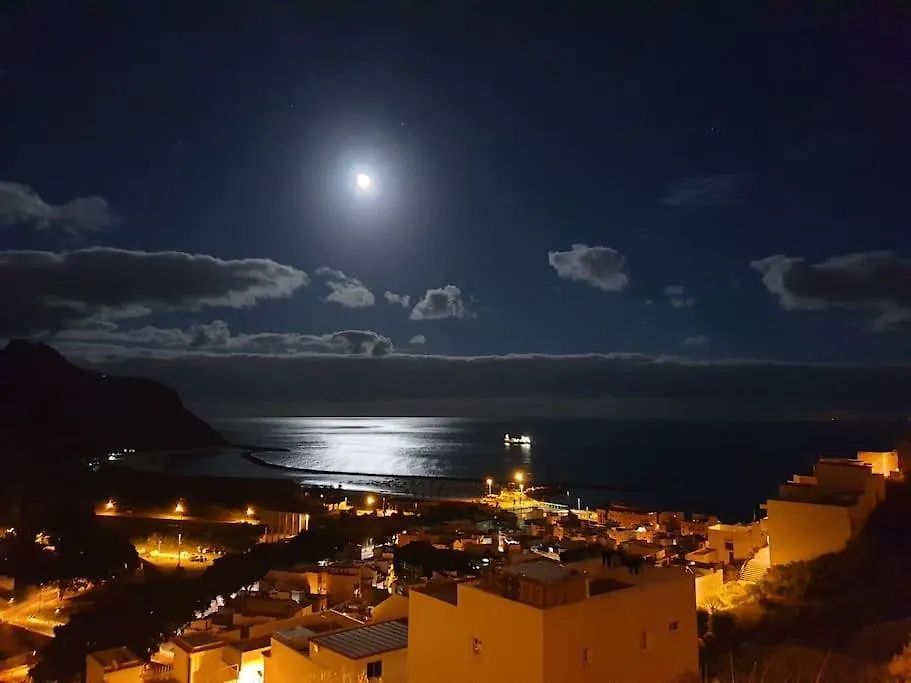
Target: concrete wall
{"type": "Point", "coordinates": [745, 537]}
{"type": "Point", "coordinates": [394, 664]}
{"type": "Point", "coordinates": [94, 673]}
{"type": "Point", "coordinates": [645, 634]}
{"type": "Point", "coordinates": [435, 635]}
{"type": "Point", "coordinates": [708, 586]}
{"type": "Point", "coordinates": [803, 531]}
{"type": "Point", "coordinates": [490, 638]}
{"type": "Point", "coordinates": [882, 462]}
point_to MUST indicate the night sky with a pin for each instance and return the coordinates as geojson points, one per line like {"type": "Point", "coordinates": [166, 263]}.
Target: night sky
{"type": "Point", "coordinates": [573, 203]}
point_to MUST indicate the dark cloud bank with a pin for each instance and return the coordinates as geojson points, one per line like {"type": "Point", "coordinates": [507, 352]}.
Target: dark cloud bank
{"type": "Point", "coordinates": [617, 385]}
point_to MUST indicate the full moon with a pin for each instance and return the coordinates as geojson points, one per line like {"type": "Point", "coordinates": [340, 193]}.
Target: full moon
{"type": "Point", "coordinates": [364, 181]}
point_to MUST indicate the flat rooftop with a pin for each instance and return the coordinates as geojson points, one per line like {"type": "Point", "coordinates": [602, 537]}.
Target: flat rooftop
{"type": "Point", "coordinates": [544, 571]}
{"type": "Point", "coordinates": [367, 641]}
{"type": "Point", "coordinates": [605, 585]}
{"type": "Point", "coordinates": [797, 492]}
{"type": "Point", "coordinates": [117, 658]}
{"type": "Point", "coordinates": [447, 591]}
{"type": "Point", "coordinates": [196, 642]}
{"type": "Point", "coordinates": [728, 527]}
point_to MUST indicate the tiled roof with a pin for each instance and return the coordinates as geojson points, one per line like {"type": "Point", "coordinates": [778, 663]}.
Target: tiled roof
{"type": "Point", "coordinates": [367, 641]}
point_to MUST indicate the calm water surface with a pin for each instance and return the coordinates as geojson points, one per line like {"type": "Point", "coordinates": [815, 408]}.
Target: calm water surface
{"type": "Point", "coordinates": [728, 467]}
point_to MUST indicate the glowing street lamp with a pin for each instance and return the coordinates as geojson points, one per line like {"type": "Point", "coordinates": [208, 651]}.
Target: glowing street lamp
{"type": "Point", "coordinates": [371, 500]}
{"type": "Point", "coordinates": [250, 511]}
{"type": "Point", "coordinates": [489, 486]}
{"type": "Point", "coordinates": [179, 509]}
{"type": "Point", "coordinates": [110, 505]}
{"type": "Point", "coordinates": [520, 480]}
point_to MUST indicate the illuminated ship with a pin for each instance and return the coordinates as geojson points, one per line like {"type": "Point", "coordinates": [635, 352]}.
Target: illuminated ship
{"type": "Point", "coordinates": [523, 440]}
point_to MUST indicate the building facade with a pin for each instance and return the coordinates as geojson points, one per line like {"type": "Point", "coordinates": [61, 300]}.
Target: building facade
{"type": "Point", "coordinates": [542, 622]}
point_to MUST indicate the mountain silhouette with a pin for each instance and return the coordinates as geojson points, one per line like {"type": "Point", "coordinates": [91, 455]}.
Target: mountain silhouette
{"type": "Point", "coordinates": [48, 406]}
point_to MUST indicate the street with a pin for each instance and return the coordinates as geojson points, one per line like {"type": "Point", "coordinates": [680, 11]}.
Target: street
{"type": "Point", "coordinates": [38, 612]}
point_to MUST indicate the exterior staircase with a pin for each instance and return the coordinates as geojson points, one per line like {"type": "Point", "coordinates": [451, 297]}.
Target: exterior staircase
{"type": "Point", "coordinates": [755, 568]}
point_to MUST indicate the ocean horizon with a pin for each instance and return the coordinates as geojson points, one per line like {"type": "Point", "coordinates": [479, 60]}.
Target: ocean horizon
{"type": "Point", "coordinates": [722, 467]}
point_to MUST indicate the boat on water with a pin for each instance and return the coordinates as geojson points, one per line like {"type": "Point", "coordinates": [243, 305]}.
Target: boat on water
{"type": "Point", "coordinates": [517, 440]}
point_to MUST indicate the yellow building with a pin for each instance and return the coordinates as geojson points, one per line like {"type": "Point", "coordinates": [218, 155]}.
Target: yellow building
{"type": "Point", "coordinates": [206, 658]}
{"type": "Point", "coordinates": [819, 514]}
{"type": "Point", "coordinates": [117, 665]}
{"type": "Point", "coordinates": [376, 652]}
{"type": "Point", "coordinates": [886, 463]}
{"type": "Point", "coordinates": [544, 622]}
{"type": "Point", "coordinates": [735, 542]}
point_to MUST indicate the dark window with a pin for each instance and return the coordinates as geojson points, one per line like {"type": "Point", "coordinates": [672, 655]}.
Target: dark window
{"type": "Point", "coordinates": [673, 626]}
{"type": "Point", "coordinates": [729, 545]}
{"type": "Point", "coordinates": [375, 669]}
{"type": "Point", "coordinates": [476, 645]}
{"type": "Point", "coordinates": [586, 656]}
{"type": "Point", "coordinates": [643, 640]}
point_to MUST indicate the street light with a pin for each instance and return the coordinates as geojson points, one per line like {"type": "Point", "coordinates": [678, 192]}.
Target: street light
{"type": "Point", "coordinates": [370, 500]}
{"type": "Point", "coordinates": [250, 511]}
{"type": "Point", "coordinates": [110, 505]}
{"type": "Point", "coordinates": [489, 486]}
{"type": "Point", "coordinates": [520, 480]}
{"type": "Point", "coordinates": [179, 509]}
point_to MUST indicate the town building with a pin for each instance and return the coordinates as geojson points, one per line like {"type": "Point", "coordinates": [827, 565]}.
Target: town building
{"type": "Point", "coordinates": [328, 652]}
{"type": "Point", "coordinates": [735, 542]}
{"type": "Point", "coordinates": [818, 514]}
{"type": "Point", "coordinates": [545, 622]}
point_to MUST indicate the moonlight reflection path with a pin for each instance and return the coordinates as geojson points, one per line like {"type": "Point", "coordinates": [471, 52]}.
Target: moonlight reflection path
{"type": "Point", "coordinates": [252, 457]}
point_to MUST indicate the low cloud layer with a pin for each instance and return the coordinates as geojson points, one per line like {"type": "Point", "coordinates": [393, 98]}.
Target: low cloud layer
{"type": "Point", "coordinates": [876, 282]}
{"type": "Point", "coordinates": [724, 189]}
{"type": "Point", "coordinates": [45, 291]}
{"type": "Point", "coordinates": [417, 339]}
{"type": "Point", "coordinates": [696, 340]}
{"type": "Point", "coordinates": [217, 337]}
{"type": "Point", "coordinates": [298, 380]}
{"type": "Point", "coordinates": [345, 290]}
{"type": "Point", "coordinates": [677, 296]}
{"type": "Point", "coordinates": [436, 304]}
{"type": "Point", "coordinates": [20, 204]}
{"type": "Point", "coordinates": [397, 299]}
{"type": "Point", "coordinates": [601, 267]}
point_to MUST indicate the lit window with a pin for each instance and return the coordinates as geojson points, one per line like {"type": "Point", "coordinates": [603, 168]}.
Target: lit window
{"type": "Point", "coordinates": [476, 645]}
{"type": "Point", "coordinates": [643, 640]}
{"type": "Point", "coordinates": [375, 669]}
{"type": "Point", "coordinates": [673, 626]}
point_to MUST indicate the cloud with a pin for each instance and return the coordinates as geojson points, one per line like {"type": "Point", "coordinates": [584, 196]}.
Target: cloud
{"type": "Point", "coordinates": [20, 204]}
{"type": "Point", "coordinates": [600, 267]}
{"type": "Point", "coordinates": [346, 291]}
{"type": "Point", "coordinates": [46, 291]}
{"type": "Point", "coordinates": [292, 382]}
{"type": "Point", "coordinates": [724, 189]}
{"type": "Point", "coordinates": [216, 336]}
{"type": "Point", "coordinates": [436, 304]}
{"type": "Point", "coordinates": [677, 296]}
{"type": "Point", "coordinates": [399, 299]}
{"type": "Point", "coordinates": [697, 340]}
{"type": "Point", "coordinates": [417, 339]}
{"type": "Point", "coordinates": [875, 282]}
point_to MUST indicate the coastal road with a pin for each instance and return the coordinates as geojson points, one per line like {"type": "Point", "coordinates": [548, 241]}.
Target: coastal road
{"type": "Point", "coordinates": [32, 613]}
{"type": "Point", "coordinates": [172, 517]}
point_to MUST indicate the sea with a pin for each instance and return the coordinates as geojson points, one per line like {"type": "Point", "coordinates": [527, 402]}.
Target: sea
{"type": "Point", "coordinates": [719, 467]}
